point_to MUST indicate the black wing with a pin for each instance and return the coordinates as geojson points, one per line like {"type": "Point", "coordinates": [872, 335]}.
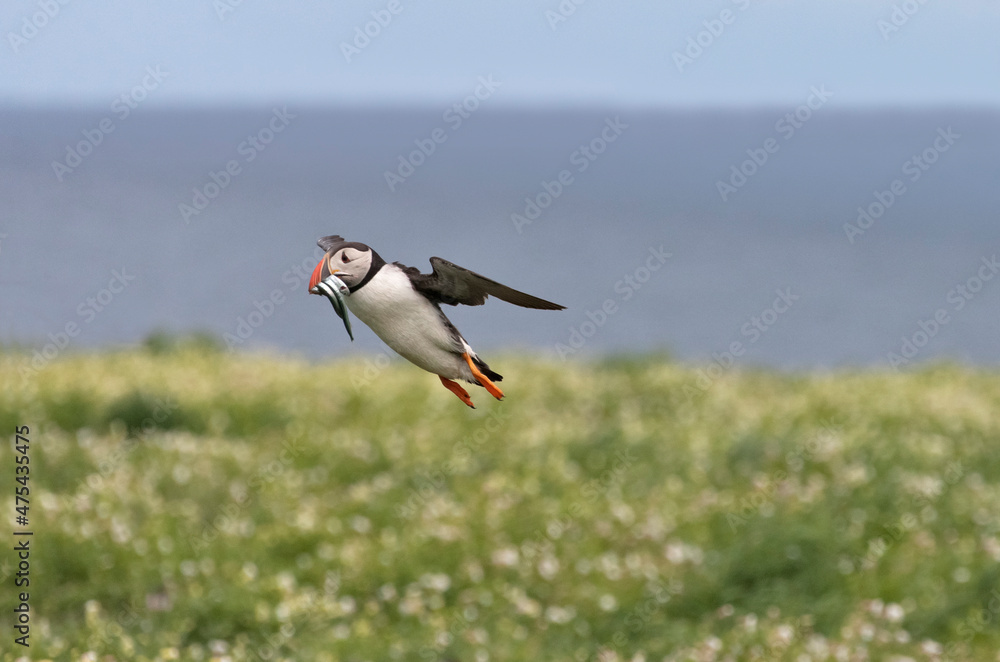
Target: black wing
{"type": "Point", "coordinates": [326, 243]}
{"type": "Point", "coordinates": [452, 284]}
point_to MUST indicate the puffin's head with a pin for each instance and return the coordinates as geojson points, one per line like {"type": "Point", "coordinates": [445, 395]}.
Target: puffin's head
{"type": "Point", "coordinates": [350, 261]}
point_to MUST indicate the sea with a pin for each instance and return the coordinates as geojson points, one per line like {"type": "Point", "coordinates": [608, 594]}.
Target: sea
{"type": "Point", "coordinates": [794, 239]}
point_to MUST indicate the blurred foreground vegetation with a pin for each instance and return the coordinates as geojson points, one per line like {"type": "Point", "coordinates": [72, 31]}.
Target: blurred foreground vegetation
{"type": "Point", "coordinates": [193, 504]}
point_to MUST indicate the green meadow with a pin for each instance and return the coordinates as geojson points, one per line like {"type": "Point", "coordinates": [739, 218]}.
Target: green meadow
{"type": "Point", "coordinates": [193, 504]}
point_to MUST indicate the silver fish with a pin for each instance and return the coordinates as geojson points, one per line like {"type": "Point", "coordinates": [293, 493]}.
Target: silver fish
{"type": "Point", "coordinates": [335, 290]}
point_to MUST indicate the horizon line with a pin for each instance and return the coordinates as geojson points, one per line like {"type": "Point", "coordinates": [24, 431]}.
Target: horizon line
{"type": "Point", "coordinates": [540, 107]}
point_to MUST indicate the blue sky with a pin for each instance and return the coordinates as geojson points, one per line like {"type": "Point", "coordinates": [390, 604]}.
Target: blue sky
{"type": "Point", "coordinates": [218, 52]}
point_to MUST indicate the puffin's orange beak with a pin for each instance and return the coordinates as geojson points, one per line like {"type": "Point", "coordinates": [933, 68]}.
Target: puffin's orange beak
{"type": "Point", "coordinates": [316, 276]}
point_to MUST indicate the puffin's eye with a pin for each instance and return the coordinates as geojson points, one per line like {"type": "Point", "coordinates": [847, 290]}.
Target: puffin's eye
{"type": "Point", "coordinates": [343, 258]}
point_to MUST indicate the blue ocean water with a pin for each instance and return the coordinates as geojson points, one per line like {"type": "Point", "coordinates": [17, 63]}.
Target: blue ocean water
{"type": "Point", "coordinates": [692, 232]}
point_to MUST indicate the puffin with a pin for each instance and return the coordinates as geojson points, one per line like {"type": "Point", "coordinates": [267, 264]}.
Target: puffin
{"type": "Point", "coordinates": [403, 307]}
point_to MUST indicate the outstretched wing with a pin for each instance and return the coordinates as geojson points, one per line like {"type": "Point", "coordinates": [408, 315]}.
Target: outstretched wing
{"type": "Point", "coordinates": [452, 284]}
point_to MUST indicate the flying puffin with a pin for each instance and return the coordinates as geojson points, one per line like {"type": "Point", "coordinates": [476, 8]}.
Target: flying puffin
{"type": "Point", "coordinates": [403, 307]}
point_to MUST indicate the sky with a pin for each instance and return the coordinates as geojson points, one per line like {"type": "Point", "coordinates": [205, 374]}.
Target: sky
{"type": "Point", "coordinates": [543, 52]}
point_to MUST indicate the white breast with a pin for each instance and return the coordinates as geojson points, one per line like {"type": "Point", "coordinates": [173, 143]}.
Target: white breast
{"type": "Point", "coordinates": [408, 323]}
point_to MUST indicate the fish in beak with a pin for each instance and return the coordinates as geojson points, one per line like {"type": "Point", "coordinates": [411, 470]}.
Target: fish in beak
{"type": "Point", "coordinates": [334, 289]}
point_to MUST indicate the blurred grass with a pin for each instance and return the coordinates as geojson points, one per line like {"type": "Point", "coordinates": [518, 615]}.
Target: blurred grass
{"type": "Point", "coordinates": [193, 504]}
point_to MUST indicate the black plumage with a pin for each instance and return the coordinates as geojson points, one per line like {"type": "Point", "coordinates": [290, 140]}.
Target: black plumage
{"type": "Point", "coordinates": [451, 284]}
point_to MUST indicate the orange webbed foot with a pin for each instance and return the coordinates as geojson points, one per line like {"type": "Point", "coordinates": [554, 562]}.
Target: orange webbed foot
{"type": "Point", "coordinates": [457, 389]}
{"type": "Point", "coordinates": [483, 379]}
